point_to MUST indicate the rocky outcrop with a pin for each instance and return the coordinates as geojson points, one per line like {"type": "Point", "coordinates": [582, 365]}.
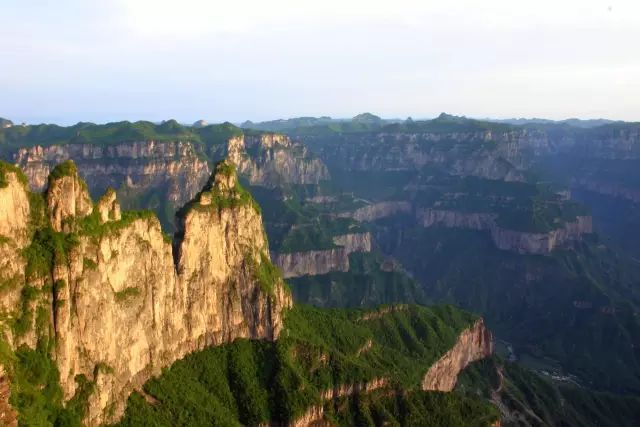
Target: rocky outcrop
{"type": "Point", "coordinates": [473, 344]}
{"type": "Point", "coordinates": [354, 242]}
{"type": "Point", "coordinates": [272, 159]}
{"type": "Point", "coordinates": [172, 168]}
{"type": "Point", "coordinates": [455, 219]}
{"type": "Point", "coordinates": [354, 388]}
{"type": "Point", "coordinates": [314, 416]}
{"type": "Point", "coordinates": [378, 210]}
{"type": "Point", "coordinates": [14, 236]}
{"type": "Point", "coordinates": [8, 417]}
{"type": "Point", "coordinates": [108, 207]}
{"type": "Point", "coordinates": [541, 243]}
{"type": "Point", "coordinates": [14, 207]}
{"type": "Point", "coordinates": [485, 154]}
{"type": "Point", "coordinates": [511, 240]}
{"type": "Point", "coordinates": [124, 304]}
{"type": "Point", "coordinates": [67, 197]}
{"type": "Point", "coordinates": [311, 263]}
{"type": "Point", "coordinates": [314, 262]}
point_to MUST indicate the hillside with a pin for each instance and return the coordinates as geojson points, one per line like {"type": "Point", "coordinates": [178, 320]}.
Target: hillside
{"type": "Point", "coordinates": [97, 301]}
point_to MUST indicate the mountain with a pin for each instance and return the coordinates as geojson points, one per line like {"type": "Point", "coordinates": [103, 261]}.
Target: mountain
{"type": "Point", "coordinates": [5, 123]}
{"type": "Point", "coordinates": [579, 123]}
{"type": "Point", "coordinates": [531, 225]}
{"type": "Point", "coordinates": [97, 301]}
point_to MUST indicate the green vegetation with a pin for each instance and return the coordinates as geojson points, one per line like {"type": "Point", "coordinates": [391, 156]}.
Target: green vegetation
{"type": "Point", "coordinates": [220, 198]}
{"type": "Point", "coordinates": [415, 408]}
{"type": "Point", "coordinates": [206, 139]}
{"type": "Point", "coordinates": [66, 168]}
{"type": "Point", "coordinates": [366, 284]}
{"type": "Point", "coordinates": [47, 247]}
{"type": "Point", "coordinates": [91, 225]}
{"type": "Point", "coordinates": [252, 382]}
{"type": "Point", "coordinates": [576, 307]}
{"type": "Point", "coordinates": [264, 272]}
{"type": "Point", "coordinates": [538, 400]}
{"type": "Point", "coordinates": [89, 264]}
{"type": "Point", "coordinates": [9, 168]}
{"type": "Point", "coordinates": [36, 392]}
{"type": "Point", "coordinates": [126, 294]}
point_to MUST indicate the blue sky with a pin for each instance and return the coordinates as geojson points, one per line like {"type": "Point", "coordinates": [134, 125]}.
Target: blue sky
{"type": "Point", "coordinates": [100, 61]}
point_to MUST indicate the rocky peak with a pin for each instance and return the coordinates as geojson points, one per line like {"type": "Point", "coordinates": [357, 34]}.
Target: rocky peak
{"type": "Point", "coordinates": [225, 178]}
{"type": "Point", "coordinates": [14, 204]}
{"type": "Point", "coordinates": [67, 196]}
{"type": "Point", "coordinates": [108, 207]}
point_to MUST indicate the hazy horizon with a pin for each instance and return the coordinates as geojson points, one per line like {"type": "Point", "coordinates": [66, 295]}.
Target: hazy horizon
{"type": "Point", "coordinates": [157, 59]}
{"type": "Point", "coordinates": [239, 122]}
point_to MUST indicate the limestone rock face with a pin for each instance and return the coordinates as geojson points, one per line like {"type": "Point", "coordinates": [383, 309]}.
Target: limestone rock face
{"type": "Point", "coordinates": [14, 210]}
{"type": "Point", "coordinates": [273, 159]}
{"type": "Point", "coordinates": [311, 263]}
{"type": "Point", "coordinates": [67, 197]}
{"type": "Point", "coordinates": [378, 210]}
{"type": "Point", "coordinates": [14, 236]}
{"type": "Point", "coordinates": [473, 344]}
{"type": "Point", "coordinates": [354, 242]}
{"type": "Point", "coordinates": [125, 303]}
{"type": "Point", "coordinates": [296, 264]}
{"type": "Point", "coordinates": [108, 207]}
{"type": "Point", "coordinates": [510, 240]}
{"type": "Point", "coordinates": [485, 154]}
{"type": "Point", "coordinates": [173, 168]}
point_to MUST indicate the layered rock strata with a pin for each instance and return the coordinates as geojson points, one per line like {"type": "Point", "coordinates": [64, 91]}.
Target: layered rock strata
{"type": "Point", "coordinates": [171, 167]}
{"type": "Point", "coordinates": [378, 210]}
{"type": "Point", "coordinates": [473, 344]}
{"type": "Point", "coordinates": [296, 264]}
{"type": "Point", "coordinates": [506, 239]}
{"type": "Point", "coordinates": [272, 159]}
{"type": "Point", "coordinates": [125, 303]}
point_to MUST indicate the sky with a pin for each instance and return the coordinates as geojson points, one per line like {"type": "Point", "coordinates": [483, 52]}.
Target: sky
{"type": "Point", "coordinates": [106, 60]}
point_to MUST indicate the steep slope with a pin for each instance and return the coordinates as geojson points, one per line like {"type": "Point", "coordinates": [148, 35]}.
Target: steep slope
{"type": "Point", "coordinates": [329, 367]}
{"type": "Point", "coordinates": [526, 398]}
{"type": "Point", "coordinates": [118, 308]}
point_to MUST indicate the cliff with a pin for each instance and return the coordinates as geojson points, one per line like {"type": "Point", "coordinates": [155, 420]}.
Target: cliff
{"type": "Point", "coordinates": [124, 304]}
{"type": "Point", "coordinates": [14, 204]}
{"type": "Point", "coordinates": [378, 210]}
{"type": "Point", "coordinates": [172, 169]}
{"type": "Point", "coordinates": [272, 159]}
{"type": "Point", "coordinates": [473, 344]}
{"type": "Point", "coordinates": [486, 154]}
{"type": "Point", "coordinates": [314, 262]}
{"type": "Point", "coordinates": [511, 240]}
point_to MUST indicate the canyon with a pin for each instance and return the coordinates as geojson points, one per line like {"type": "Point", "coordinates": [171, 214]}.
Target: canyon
{"type": "Point", "coordinates": [124, 304]}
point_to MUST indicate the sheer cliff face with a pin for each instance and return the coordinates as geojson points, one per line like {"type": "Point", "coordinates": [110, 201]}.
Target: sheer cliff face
{"type": "Point", "coordinates": [14, 236]}
{"type": "Point", "coordinates": [378, 210]}
{"type": "Point", "coordinates": [296, 264]}
{"type": "Point", "coordinates": [14, 209]}
{"type": "Point", "coordinates": [122, 308]}
{"type": "Point", "coordinates": [482, 154]}
{"type": "Point", "coordinates": [171, 166]}
{"type": "Point", "coordinates": [473, 344]}
{"type": "Point", "coordinates": [271, 159]}
{"type": "Point", "coordinates": [506, 239]}
{"type": "Point", "coordinates": [67, 198]}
